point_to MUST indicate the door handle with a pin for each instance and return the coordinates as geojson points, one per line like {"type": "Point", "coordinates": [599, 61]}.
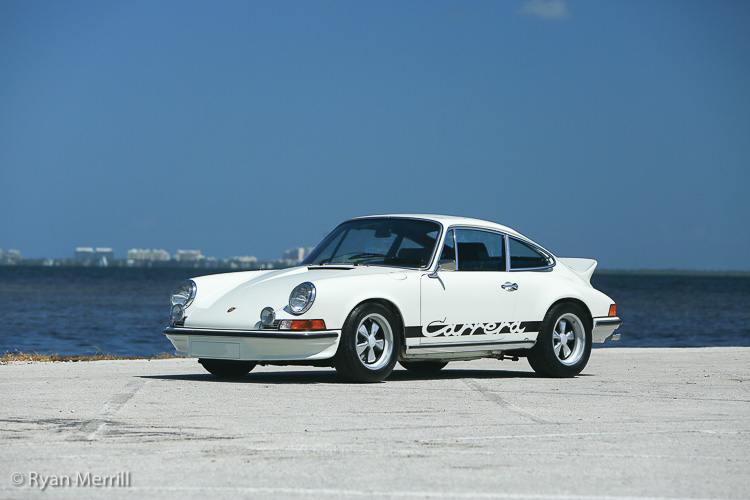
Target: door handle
{"type": "Point", "coordinates": [510, 287]}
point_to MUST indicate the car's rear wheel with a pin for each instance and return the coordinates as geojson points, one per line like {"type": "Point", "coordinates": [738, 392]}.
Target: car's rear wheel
{"type": "Point", "coordinates": [227, 368]}
{"type": "Point", "coordinates": [423, 366]}
{"type": "Point", "coordinates": [370, 342]}
{"type": "Point", "coordinates": [563, 346]}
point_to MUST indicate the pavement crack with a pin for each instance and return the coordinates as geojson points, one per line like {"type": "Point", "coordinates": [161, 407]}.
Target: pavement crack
{"type": "Point", "coordinates": [496, 398]}
{"type": "Point", "coordinates": [89, 430]}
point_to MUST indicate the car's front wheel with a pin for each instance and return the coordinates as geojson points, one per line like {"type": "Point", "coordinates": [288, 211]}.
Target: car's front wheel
{"type": "Point", "coordinates": [563, 346]}
{"type": "Point", "coordinates": [370, 342]}
{"type": "Point", "coordinates": [227, 368]}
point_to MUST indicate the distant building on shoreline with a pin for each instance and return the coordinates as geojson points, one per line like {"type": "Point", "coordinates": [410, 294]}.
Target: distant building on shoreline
{"type": "Point", "coordinates": [88, 256]}
{"type": "Point", "coordinates": [137, 255]}
{"type": "Point", "coordinates": [189, 256]}
{"type": "Point", "coordinates": [11, 257]}
{"type": "Point", "coordinates": [243, 262]}
{"type": "Point", "coordinates": [296, 255]}
{"type": "Point", "coordinates": [144, 257]}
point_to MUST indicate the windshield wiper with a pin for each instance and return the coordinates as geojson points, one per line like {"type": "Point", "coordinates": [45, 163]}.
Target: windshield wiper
{"type": "Point", "coordinates": [366, 255]}
{"type": "Point", "coordinates": [363, 255]}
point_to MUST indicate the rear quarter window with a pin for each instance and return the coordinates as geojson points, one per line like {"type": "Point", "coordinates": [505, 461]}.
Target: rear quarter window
{"type": "Point", "coordinates": [525, 256]}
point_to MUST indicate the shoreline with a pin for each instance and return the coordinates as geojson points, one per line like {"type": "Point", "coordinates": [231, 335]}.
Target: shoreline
{"type": "Point", "coordinates": [213, 270]}
{"type": "Point", "coordinates": [19, 357]}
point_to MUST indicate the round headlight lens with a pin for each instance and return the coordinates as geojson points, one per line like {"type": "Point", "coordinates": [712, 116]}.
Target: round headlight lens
{"type": "Point", "coordinates": [184, 293]}
{"type": "Point", "coordinates": [177, 314]}
{"type": "Point", "coordinates": [302, 298]}
{"type": "Point", "coordinates": [267, 316]}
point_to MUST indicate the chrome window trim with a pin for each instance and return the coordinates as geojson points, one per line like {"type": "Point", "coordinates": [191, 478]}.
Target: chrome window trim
{"type": "Point", "coordinates": [455, 247]}
{"type": "Point", "coordinates": [433, 259]}
{"type": "Point", "coordinates": [545, 252]}
{"type": "Point", "coordinates": [484, 229]}
{"type": "Point", "coordinates": [507, 237]}
{"type": "Point", "coordinates": [507, 252]}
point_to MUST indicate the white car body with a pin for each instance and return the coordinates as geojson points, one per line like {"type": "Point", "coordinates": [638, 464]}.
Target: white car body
{"type": "Point", "coordinates": [442, 314]}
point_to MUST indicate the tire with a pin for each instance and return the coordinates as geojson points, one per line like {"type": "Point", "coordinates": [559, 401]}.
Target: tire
{"type": "Point", "coordinates": [227, 368]}
{"type": "Point", "coordinates": [370, 343]}
{"type": "Point", "coordinates": [563, 346]}
{"type": "Point", "coordinates": [423, 366]}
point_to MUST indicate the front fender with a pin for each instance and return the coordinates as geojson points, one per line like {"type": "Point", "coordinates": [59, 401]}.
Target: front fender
{"type": "Point", "coordinates": [337, 297]}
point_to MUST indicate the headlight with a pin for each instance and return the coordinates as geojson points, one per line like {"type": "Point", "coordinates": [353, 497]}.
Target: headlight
{"type": "Point", "coordinates": [177, 314]}
{"type": "Point", "coordinates": [267, 316]}
{"type": "Point", "coordinates": [184, 293]}
{"type": "Point", "coordinates": [302, 298]}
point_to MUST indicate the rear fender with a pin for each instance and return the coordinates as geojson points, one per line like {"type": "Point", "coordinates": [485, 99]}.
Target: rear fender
{"type": "Point", "coordinates": [583, 268]}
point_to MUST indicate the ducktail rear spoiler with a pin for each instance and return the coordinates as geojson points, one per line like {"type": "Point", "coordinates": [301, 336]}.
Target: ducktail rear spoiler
{"type": "Point", "coordinates": [582, 267]}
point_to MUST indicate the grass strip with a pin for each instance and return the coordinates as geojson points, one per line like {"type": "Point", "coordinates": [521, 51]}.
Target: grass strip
{"type": "Point", "coordinates": [35, 357]}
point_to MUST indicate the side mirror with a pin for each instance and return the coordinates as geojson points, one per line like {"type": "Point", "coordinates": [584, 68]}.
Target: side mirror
{"type": "Point", "coordinates": [447, 265]}
{"type": "Point", "coordinates": [443, 265]}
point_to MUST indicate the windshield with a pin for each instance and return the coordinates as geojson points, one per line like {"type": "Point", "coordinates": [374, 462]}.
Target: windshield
{"type": "Point", "coordinates": [384, 242]}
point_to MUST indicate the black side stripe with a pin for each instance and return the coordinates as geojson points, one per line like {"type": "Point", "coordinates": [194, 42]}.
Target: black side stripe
{"type": "Point", "coordinates": [471, 344]}
{"type": "Point", "coordinates": [415, 332]}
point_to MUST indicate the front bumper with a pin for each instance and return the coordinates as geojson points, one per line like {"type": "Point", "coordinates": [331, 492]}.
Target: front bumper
{"type": "Point", "coordinates": [254, 345]}
{"type": "Point", "coordinates": [604, 329]}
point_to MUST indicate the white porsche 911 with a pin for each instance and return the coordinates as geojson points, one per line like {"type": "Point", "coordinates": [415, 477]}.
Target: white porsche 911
{"type": "Point", "coordinates": [421, 290]}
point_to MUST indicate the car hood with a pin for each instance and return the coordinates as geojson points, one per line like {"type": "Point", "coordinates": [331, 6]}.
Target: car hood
{"type": "Point", "coordinates": [235, 300]}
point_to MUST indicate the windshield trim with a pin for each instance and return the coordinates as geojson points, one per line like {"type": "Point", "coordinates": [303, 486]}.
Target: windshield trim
{"type": "Point", "coordinates": [438, 240]}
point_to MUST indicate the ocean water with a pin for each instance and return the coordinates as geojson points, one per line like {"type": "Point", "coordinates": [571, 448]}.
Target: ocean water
{"type": "Point", "coordinates": [124, 310]}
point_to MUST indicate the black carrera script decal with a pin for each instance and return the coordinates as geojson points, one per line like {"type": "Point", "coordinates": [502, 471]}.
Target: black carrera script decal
{"type": "Point", "coordinates": [438, 328]}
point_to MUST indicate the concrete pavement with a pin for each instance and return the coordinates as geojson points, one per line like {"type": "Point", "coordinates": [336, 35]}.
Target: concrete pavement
{"type": "Point", "coordinates": [638, 423]}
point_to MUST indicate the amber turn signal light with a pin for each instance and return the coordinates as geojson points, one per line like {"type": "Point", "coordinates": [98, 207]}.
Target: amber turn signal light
{"type": "Point", "coordinates": [613, 310]}
{"type": "Point", "coordinates": [307, 324]}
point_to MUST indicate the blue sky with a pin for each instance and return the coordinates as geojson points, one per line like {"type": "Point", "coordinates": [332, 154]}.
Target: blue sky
{"type": "Point", "coordinates": [614, 130]}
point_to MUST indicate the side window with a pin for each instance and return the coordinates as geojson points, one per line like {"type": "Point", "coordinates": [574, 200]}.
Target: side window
{"type": "Point", "coordinates": [480, 250]}
{"type": "Point", "coordinates": [524, 256]}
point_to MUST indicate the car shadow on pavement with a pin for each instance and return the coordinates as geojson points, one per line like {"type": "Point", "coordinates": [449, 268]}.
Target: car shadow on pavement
{"type": "Point", "coordinates": [458, 373]}
{"type": "Point", "coordinates": [330, 376]}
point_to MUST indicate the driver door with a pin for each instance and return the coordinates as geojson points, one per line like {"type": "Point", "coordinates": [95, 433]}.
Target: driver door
{"type": "Point", "coordinates": [470, 304]}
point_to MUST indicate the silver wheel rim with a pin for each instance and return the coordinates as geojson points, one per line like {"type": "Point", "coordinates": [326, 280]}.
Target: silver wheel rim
{"type": "Point", "coordinates": [374, 341]}
{"type": "Point", "coordinates": [568, 339]}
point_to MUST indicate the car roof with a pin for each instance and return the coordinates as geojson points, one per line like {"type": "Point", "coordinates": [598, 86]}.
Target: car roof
{"type": "Point", "coordinates": [451, 220]}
